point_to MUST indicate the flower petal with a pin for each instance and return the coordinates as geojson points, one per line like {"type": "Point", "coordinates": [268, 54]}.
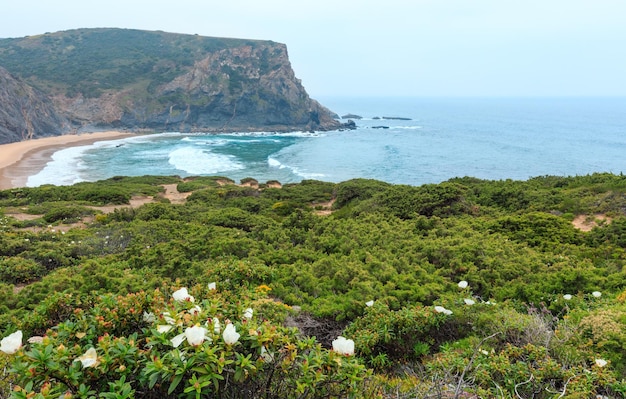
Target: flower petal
{"type": "Point", "coordinates": [177, 340]}
{"type": "Point", "coordinates": [11, 343]}
{"type": "Point", "coordinates": [230, 334]}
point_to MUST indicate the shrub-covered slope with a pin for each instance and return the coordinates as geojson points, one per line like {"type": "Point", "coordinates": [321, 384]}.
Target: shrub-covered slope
{"type": "Point", "coordinates": [467, 288]}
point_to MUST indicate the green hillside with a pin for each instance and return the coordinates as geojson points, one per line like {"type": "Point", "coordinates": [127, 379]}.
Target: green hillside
{"type": "Point", "coordinates": [542, 314]}
{"type": "Point", "coordinates": [89, 61]}
{"type": "Point", "coordinates": [137, 80]}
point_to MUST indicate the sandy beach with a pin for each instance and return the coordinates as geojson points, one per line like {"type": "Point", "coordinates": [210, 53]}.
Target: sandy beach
{"type": "Point", "coordinates": [20, 160]}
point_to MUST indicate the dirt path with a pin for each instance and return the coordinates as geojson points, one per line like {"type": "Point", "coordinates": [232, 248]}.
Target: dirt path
{"type": "Point", "coordinates": [175, 196]}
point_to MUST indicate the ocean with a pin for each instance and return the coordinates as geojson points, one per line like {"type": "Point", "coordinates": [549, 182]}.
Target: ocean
{"type": "Point", "coordinates": [487, 138]}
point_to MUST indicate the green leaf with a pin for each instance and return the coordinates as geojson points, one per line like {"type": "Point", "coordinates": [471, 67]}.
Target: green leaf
{"type": "Point", "coordinates": [174, 383]}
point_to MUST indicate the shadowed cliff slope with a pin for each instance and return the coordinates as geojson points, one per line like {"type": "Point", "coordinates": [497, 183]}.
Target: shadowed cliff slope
{"type": "Point", "coordinates": [143, 80]}
{"type": "Point", "coordinates": [25, 112]}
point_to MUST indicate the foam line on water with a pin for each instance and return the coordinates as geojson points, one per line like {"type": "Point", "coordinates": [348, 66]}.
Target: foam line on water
{"type": "Point", "coordinates": [197, 161]}
{"type": "Point", "coordinates": [275, 163]}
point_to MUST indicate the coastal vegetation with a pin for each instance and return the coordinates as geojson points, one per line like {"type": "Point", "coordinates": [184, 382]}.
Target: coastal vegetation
{"type": "Point", "coordinates": [467, 288]}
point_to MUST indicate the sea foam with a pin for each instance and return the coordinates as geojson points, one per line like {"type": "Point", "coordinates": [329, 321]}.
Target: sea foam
{"type": "Point", "coordinates": [62, 170]}
{"type": "Point", "coordinates": [275, 163]}
{"type": "Point", "coordinates": [196, 161]}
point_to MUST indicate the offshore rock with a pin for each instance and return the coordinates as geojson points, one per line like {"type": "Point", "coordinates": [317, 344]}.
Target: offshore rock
{"type": "Point", "coordinates": [138, 80]}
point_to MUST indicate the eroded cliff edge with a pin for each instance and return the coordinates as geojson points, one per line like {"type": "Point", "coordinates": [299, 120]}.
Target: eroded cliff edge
{"type": "Point", "coordinates": [25, 113]}
{"type": "Point", "coordinates": [96, 79]}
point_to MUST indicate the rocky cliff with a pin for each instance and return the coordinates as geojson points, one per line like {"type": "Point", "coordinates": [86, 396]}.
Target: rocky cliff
{"type": "Point", "coordinates": [25, 112]}
{"type": "Point", "coordinates": [138, 80]}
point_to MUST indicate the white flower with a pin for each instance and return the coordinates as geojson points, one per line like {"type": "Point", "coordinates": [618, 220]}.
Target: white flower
{"type": "Point", "coordinates": [441, 309]}
{"type": "Point", "coordinates": [484, 352]}
{"type": "Point", "coordinates": [266, 356]}
{"type": "Point", "coordinates": [216, 325]}
{"type": "Point", "coordinates": [601, 362]}
{"type": "Point", "coordinates": [168, 319]}
{"type": "Point", "coordinates": [195, 310]}
{"type": "Point", "coordinates": [596, 294]}
{"type": "Point", "coordinates": [462, 284]}
{"type": "Point", "coordinates": [148, 317]}
{"type": "Point", "coordinates": [248, 313]}
{"type": "Point", "coordinates": [196, 335]}
{"type": "Point", "coordinates": [182, 295]}
{"type": "Point", "coordinates": [343, 346]}
{"type": "Point", "coordinates": [11, 343]}
{"type": "Point", "coordinates": [469, 301]}
{"type": "Point", "coordinates": [37, 339]}
{"type": "Point", "coordinates": [177, 340]}
{"type": "Point", "coordinates": [230, 334]}
{"type": "Point", "coordinates": [89, 358]}
{"type": "Point", "coordinates": [567, 297]}
{"type": "Point", "coordinates": [369, 303]}
{"type": "Point", "coordinates": [212, 286]}
{"type": "Point", "coordinates": [163, 328]}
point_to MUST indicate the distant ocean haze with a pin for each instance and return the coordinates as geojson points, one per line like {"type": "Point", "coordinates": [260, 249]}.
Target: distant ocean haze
{"type": "Point", "coordinates": [488, 138]}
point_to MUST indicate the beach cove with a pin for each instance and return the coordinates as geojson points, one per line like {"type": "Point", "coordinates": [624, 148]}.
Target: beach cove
{"type": "Point", "coordinates": [22, 159]}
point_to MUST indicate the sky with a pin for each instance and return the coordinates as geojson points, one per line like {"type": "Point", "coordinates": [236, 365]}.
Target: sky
{"type": "Point", "coordinates": [382, 48]}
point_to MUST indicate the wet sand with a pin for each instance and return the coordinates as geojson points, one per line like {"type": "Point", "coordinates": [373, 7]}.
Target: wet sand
{"type": "Point", "coordinates": [20, 160]}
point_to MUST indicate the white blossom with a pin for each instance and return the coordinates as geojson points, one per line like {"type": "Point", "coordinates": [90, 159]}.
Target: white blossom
{"type": "Point", "coordinates": [369, 303]}
{"type": "Point", "coordinates": [195, 310]}
{"type": "Point", "coordinates": [196, 335]}
{"type": "Point", "coordinates": [601, 362]}
{"type": "Point", "coordinates": [177, 340]}
{"type": "Point", "coordinates": [212, 286]}
{"type": "Point", "coordinates": [89, 358]}
{"type": "Point", "coordinates": [343, 346]}
{"type": "Point", "coordinates": [230, 334]}
{"type": "Point", "coordinates": [37, 339]}
{"type": "Point", "coordinates": [163, 328]}
{"type": "Point", "coordinates": [216, 325]}
{"type": "Point", "coordinates": [266, 355]}
{"type": "Point", "coordinates": [441, 309]}
{"type": "Point", "coordinates": [596, 294]}
{"type": "Point", "coordinates": [567, 297]}
{"type": "Point", "coordinates": [168, 319]}
{"type": "Point", "coordinates": [468, 301]}
{"type": "Point", "coordinates": [11, 343]}
{"type": "Point", "coordinates": [148, 317]}
{"type": "Point", "coordinates": [182, 295]}
{"type": "Point", "coordinates": [463, 284]}
{"type": "Point", "coordinates": [248, 313]}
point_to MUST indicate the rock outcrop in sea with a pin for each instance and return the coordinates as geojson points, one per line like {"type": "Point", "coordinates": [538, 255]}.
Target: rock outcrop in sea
{"type": "Point", "coordinates": [99, 79]}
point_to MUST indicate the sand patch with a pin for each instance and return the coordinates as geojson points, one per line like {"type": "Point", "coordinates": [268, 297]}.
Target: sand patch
{"type": "Point", "coordinates": [173, 195]}
{"type": "Point", "coordinates": [324, 208]}
{"type": "Point", "coordinates": [588, 222]}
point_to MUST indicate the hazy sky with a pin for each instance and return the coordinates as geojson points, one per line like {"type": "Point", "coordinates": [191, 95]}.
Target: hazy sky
{"type": "Point", "coordinates": [388, 47]}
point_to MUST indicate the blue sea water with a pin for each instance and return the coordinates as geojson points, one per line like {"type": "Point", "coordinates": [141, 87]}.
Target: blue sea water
{"type": "Point", "coordinates": [488, 138]}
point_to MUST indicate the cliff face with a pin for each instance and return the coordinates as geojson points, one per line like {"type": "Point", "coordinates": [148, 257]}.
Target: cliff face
{"type": "Point", "coordinates": [139, 80]}
{"type": "Point", "coordinates": [25, 113]}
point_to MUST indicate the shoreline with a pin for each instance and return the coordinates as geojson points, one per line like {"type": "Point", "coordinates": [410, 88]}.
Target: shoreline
{"type": "Point", "coordinates": [26, 158]}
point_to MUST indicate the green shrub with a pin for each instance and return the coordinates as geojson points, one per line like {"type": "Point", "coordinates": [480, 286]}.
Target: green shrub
{"type": "Point", "coordinates": [16, 270]}
{"type": "Point", "coordinates": [67, 214]}
{"type": "Point", "coordinates": [122, 346]}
